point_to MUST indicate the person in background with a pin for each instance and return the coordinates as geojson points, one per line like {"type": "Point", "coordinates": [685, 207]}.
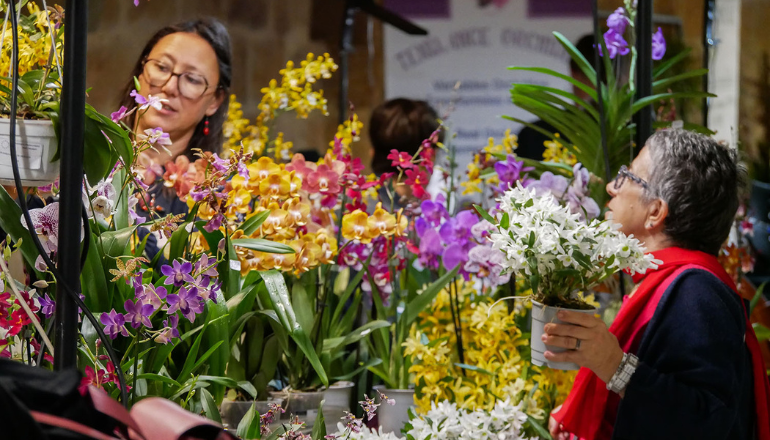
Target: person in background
{"type": "Point", "coordinates": [530, 140]}
{"type": "Point", "coordinates": [681, 360]}
{"type": "Point", "coordinates": [399, 124]}
{"type": "Point", "coordinates": [190, 66]}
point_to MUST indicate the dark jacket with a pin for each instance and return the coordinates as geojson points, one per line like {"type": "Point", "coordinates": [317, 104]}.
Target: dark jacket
{"type": "Point", "coordinates": [694, 379]}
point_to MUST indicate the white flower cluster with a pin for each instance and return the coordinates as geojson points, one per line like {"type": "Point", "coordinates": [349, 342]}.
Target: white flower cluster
{"type": "Point", "coordinates": [447, 422]}
{"type": "Point", "coordinates": [545, 241]}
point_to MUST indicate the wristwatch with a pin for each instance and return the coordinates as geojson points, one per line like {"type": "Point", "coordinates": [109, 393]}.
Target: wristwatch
{"type": "Point", "coordinates": [622, 376]}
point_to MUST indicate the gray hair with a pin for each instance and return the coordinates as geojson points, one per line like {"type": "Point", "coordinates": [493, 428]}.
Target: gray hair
{"type": "Point", "coordinates": [699, 179]}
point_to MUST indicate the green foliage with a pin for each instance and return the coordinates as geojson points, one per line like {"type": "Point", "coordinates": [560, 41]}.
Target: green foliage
{"type": "Point", "coordinates": [577, 120]}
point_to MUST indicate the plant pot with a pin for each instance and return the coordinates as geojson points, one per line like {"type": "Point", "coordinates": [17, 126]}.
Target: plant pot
{"type": "Point", "coordinates": [392, 418]}
{"type": "Point", "coordinates": [305, 404]}
{"type": "Point", "coordinates": [542, 315]}
{"type": "Point", "coordinates": [232, 412]}
{"type": "Point", "coordinates": [36, 145]}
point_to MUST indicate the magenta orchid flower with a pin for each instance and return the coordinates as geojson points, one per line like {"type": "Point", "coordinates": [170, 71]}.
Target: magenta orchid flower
{"type": "Point", "coordinates": [138, 313]}
{"type": "Point", "coordinates": [658, 45]}
{"type": "Point", "coordinates": [118, 115]}
{"type": "Point", "coordinates": [176, 274]}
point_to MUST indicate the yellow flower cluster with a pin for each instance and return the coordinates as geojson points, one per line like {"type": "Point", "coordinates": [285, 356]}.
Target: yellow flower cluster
{"type": "Point", "coordinates": [495, 352]}
{"type": "Point", "coordinates": [347, 133]}
{"type": "Point", "coordinates": [34, 41]}
{"type": "Point", "coordinates": [484, 160]}
{"type": "Point", "coordinates": [296, 88]}
{"type": "Point", "coordinates": [360, 226]}
{"type": "Point", "coordinates": [294, 92]}
{"type": "Point", "coordinates": [555, 151]}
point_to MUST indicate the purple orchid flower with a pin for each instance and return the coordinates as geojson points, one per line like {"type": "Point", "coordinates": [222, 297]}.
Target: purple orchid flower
{"type": "Point", "coordinates": [206, 266]}
{"type": "Point", "coordinates": [453, 255]}
{"type": "Point", "coordinates": [156, 136]}
{"type": "Point", "coordinates": [187, 301]}
{"type": "Point", "coordinates": [150, 101]}
{"type": "Point", "coordinates": [420, 226]}
{"type": "Point", "coordinates": [486, 263]}
{"type": "Point", "coordinates": [215, 223]}
{"type": "Point", "coordinates": [138, 314]}
{"type": "Point", "coordinates": [430, 249]}
{"type": "Point", "coordinates": [618, 20]}
{"type": "Point", "coordinates": [615, 43]}
{"type": "Point", "coordinates": [153, 295]}
{"type": "Point", "coordinates": [458, 229]}
{"type": "Point", "coordinates": [510, 171]}
{"type": "Point", "coordinates": [222, 165]}
{"type": "Point", "coordinates": [549, 182]}
{"type": "Point", "coordinates": [46, 223]}
{"type": "Point", "coordinates": [47, 306]}
{"type": "Point", "coordinates": [176, 274]}
{"type": "Point", "coordinates": [658, 45]}
{"type": "Point", "coordinates": [114, 323]}
{"type": "Point", "coordinates": [118, 115]}
{"type": "Point", "coordinates": [169, 330]}
{"type": "Point", "coordinates": [434, 212]}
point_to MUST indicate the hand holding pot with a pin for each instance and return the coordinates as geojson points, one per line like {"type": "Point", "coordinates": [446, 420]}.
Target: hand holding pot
{"type": "Point", "coordinates": [590, 343]}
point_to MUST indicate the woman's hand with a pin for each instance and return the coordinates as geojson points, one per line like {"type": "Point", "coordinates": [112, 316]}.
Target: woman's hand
{"type": "Point", "coordinates": [555, 427]}
{"type": "Point", "coordinates": [599, 349]}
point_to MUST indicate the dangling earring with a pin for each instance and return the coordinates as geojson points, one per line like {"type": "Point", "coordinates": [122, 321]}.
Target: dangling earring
{"type": "Point", "coordinates": [206, 126]}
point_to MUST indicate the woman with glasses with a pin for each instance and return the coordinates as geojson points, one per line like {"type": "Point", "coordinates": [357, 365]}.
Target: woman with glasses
{"type": "Point", "coordinates": [189, 66]}
{"type": "Point", "coordinates": [681, 359]}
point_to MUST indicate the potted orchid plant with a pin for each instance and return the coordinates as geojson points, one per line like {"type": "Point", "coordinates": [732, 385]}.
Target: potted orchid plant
{"type": "Point", "coordinates": [40, 33]}
{"type": "Point", "coordinates": [559, 254]}
{"type": "Point", "coordinates": [578, 121]}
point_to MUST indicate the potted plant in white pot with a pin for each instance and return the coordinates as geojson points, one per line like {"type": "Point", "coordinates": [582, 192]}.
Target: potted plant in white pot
{"type": "Point", "coordinates": [560, 255]}
{"type": "Point", "coordinates": [38, 95]}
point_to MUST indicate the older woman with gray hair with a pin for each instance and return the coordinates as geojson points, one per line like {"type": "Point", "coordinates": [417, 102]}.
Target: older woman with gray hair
{"type": "Point", "coordinates": [681, 359]}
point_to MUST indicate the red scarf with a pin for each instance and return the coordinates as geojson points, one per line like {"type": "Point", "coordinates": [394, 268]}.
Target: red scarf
{"type": "Point", "coordinates": [585, 411]}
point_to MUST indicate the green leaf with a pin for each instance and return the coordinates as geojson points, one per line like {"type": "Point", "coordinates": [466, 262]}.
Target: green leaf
{"type": "Point", "coordinates": [370, 363]}
{"type": "Point", "coordinates": [159, 378]}
{"type": "Point", "coordinates": [253, 223]}
{"type": "Point", "coordinates": [762, 332]}
{"type": "Point", "coordinates": [178, 242]}
{"type": "Point", "coordinates": [279, 295]}
{"type": "Point", "coordinates": [757, 297]}
{"type": "Point", "coordinates": [209, 407]}
{"type": "Point", "coordinates": [93, 280]}
{"type": "Point", "coordinates": [218, 334]}
{"type": "Point", "coordinates": [355, 335]}
{"type": "Point", "coordinates": [589, 90]}
{"type": "Point", "coordinates": [663, 83]}
{"type": "Point", "coordinates": [665, 66]}
{"type": "Point", "coordinates": [475, 368]}
{"type": "Point", "coordinates": [421, 301]}
{"type": "Point", "coordinates": [10, 222]}
{"type": "Point", "coordinates": [484, 214]}
{"type": "Point", "coordinates": [319, 427]}
{"type": "Point", "coordinates": [262, 245]}
{"type": "Point", "coordinates": [248, 429]}
{"type": "Point", "coordinates": [648, 100]}
{"type": "Point", "coordinates": [541, 431]}
{"type": "Point", "coordinates": [578, 57]}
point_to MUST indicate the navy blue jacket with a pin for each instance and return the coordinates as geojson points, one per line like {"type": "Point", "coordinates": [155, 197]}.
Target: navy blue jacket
{"type": "Point", "coordinates": [694, 379]}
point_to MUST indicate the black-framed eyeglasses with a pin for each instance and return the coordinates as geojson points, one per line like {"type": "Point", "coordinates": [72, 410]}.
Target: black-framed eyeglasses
{"type": "Point", "coordinates": [191, 85]}
{"type": "Point", "coordinates": [623, 173]}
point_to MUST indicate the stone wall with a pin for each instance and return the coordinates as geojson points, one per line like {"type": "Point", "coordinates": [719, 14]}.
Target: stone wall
{"type": "Point", "coordinates": [265, 34]}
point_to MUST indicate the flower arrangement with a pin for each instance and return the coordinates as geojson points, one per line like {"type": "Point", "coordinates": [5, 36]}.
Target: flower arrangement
{"type": "Point", "coordinates": [557, 252]}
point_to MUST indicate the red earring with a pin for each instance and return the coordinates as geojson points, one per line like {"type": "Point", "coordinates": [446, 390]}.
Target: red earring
{"type": "Point", "coordinates": [206, 126]}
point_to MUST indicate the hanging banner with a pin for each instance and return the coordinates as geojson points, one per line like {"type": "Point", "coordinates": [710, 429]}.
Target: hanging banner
{"type": "Point", "coordinates": [462, 63]}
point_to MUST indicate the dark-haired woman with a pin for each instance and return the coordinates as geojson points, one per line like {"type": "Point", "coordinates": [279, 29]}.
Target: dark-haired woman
{"type": "Point", "coordinates": [189, 66]}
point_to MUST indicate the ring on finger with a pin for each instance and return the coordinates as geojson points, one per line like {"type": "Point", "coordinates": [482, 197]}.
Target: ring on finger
{"type": "Point", "coordinates": [577, 344]}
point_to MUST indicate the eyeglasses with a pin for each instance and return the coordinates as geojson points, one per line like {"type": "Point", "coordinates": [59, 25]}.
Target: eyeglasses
{"type": "Point", "coordinates": [190, 85]}
{"type": "Point", "coordinates": [621, 178]}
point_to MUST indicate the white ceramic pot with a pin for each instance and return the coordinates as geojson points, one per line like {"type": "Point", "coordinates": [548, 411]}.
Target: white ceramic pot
{"type": "Point", "coordinates": [36, 146]}
{"type": "Point", "coordinates": [305, 404]}
{"type": "Point", "coordinates": [392, 418]}
{"type": "Point", "coordinates": [542, 315]}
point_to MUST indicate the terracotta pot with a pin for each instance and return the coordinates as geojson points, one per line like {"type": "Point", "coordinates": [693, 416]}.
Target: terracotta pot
{"type": "Point", "coordinates": [542, 315]}
{"type": "Point", "coordinates": [36, 145]}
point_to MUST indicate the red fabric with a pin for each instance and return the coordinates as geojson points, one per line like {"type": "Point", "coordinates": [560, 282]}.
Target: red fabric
{"type": "Point", "coordinates": [585, 411]}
